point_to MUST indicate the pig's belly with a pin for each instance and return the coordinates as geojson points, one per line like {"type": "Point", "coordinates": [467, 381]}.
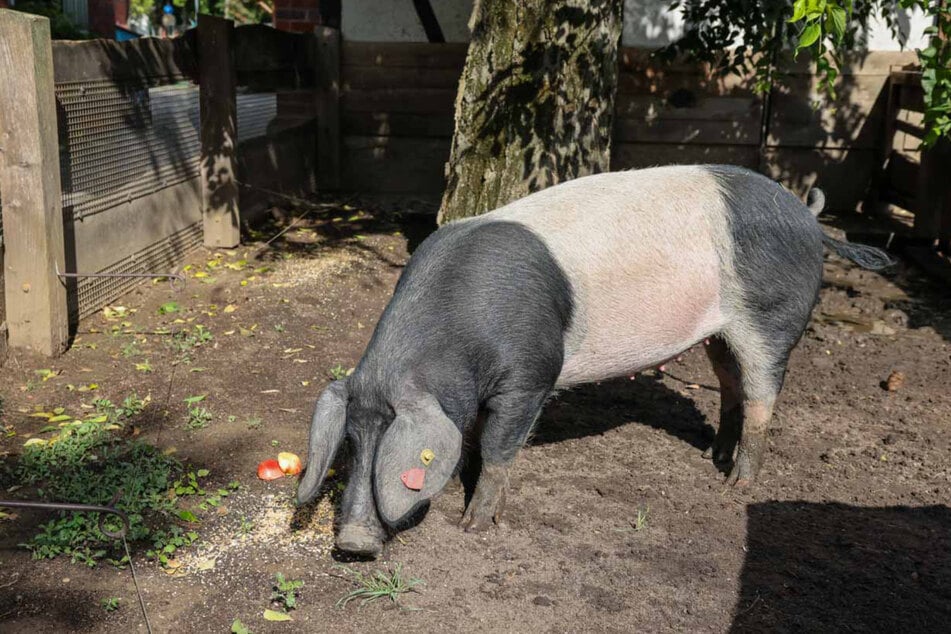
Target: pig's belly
{"type": "Point", "coordinates": [638, 328]}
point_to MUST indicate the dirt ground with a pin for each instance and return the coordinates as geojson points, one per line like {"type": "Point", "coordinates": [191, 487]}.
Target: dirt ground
{"type": "Point", "coordinates": [848, 527]}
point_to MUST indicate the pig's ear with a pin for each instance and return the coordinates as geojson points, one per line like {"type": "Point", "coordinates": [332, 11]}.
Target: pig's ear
{"type": "Point", "coordinates": [326, 434]}
{"type": "Point", "coordinates": [415, 458]}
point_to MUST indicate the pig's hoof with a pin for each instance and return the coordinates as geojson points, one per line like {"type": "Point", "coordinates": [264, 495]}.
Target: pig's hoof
{"type": "Point", "coordinates": [742, 473]}
{"type": "Point", "coordinates": [474, 522]}
{"type": "Point", "coordinates": [359, 540]}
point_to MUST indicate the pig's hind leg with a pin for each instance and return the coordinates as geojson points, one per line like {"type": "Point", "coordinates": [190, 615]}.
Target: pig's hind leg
{"type": "Point", "coordinates": [731, 402]}
{"type": "Point", "coordinates": [509, 420]}
{"type": "Point", "coordinates": [761, 363]}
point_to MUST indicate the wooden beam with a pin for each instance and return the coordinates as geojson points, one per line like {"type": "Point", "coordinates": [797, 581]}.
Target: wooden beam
{"type": "Point", "coordinates": [37, 314]}
{"type": "Point", "coordinates": [219, 132]}
{"type": "Point", "coordinates": [327, 92]}
{"type": "Point", "coordinates": [143, 59]}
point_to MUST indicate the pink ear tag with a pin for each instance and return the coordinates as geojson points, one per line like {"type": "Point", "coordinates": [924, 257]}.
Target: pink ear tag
{"type": "Point", "coordinates": [413, 478]}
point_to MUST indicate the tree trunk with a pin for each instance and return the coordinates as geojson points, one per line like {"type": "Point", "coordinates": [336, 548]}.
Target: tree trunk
{"type": "Point", "coordinates": [535, 103]}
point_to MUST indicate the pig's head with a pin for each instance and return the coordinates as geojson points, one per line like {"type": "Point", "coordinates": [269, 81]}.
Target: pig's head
{"type": "Point", "coordinates": [402, 455]}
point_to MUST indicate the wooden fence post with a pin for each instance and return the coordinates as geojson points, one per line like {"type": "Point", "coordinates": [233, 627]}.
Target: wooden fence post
{"type": "Point", "coordinates": [328, 107]}
{"type": "Point", "coordinates": [217, 82]}
{"type": "Point", "coordinates": [37, 314]}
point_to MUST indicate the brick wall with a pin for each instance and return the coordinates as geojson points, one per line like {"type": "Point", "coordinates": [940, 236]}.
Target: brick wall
{"type": "Point", "coordinates": [121, 11]}
{"type": "Point", "coordinates": [299, 16]}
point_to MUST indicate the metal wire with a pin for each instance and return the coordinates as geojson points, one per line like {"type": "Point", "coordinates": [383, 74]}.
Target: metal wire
{"type": "Point", "coordinates": [172, 277]}
{"type": "Point", "coordinates": [103, 510]}
{"type": "Point", "coordinates": [93, 293]}
{"type": "Point", "coordinates": [135, 582]}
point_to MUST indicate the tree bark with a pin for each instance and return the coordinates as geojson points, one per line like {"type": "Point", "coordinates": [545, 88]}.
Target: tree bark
{"type": "Point", "coordinates": [535, 103]}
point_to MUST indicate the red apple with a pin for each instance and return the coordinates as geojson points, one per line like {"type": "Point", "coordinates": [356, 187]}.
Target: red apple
{"type": "Point", "coordinates": [290, 462]}
{"type": "Point", "coordinates": [270, 470]}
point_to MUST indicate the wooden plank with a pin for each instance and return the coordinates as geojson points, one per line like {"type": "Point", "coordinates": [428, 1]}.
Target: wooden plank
{"type": "Point", "coordinates": [411, 54]}
{"type": "Point", "coordinates": [394, 165]}
{"type": "Point", "coordinates": [662, 81]}
{"type": "Point", "coordinates": [386, 78]}
{"type": "Point", "coordinates": [402, 124]}
{"type": "Point", "coordinates": [857, 63]}
{"type": "Point", "coordinates": [284, 161]}
{"type": "Point", "coordinates": [745, 131]}
{"type": "Point", "coordinates": [328, 107]}
{"type": "Point", "coordinates": [844, 175]}
{"type": "Point", "coordinates": [703, 109]}
{"type": "Point", "coordinates": [36, 299]}
{"type": "Point", "coordinates": [260, 48]}
{"type": "Point", "coordinates": [139, 59]}
{"type": "Point", "coordinates": [219, 132]}
{"type": "Point", "coordinates": [102, 239]}
{"type": "Point", "coordinates": [933, 216]}
{"type": "Point", "coordinates": [855, 118]}
{"type": "Point", "coordinates": [418, 101]}
{"type": "Point", "coordinates": [638, 155]}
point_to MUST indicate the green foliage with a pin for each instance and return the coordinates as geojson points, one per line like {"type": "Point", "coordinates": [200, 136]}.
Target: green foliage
{"type": "Point", "coordinates": [824, 28]}
{"type": "Point", "coordinates": [87, 462]}
{"type": "Point", "coordinates": [186, 340]}
{"type": "Point", "coordinates": [379, 585]}
{"type": "Point", "coordinates": [61, 27]}
{"type": "Point", "coordinates": [110, 604]}
{"type": "Point", "coordinates": [339, 372]}
{"type": "Point", "coordinates": [825, 23]}
{"type": "Point", "coordinates": [285, 591]}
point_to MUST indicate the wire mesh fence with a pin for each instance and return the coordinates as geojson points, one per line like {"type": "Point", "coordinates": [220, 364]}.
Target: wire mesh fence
{"type": "Point", "coordinates": [122, 141]}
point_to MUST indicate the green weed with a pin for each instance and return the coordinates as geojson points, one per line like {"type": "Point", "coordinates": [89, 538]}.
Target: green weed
{"type": "Point", "coordinates": [379, 585]}
{"type": "Point", "coordinates": [285, 591]}
{"type": "Point", "coordinates": [86, 462]}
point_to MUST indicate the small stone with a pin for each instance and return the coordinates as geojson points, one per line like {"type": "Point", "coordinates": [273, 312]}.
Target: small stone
{"type": "Point", "coordinates": [542, 600]}
{"type": "Point", "coordinates": [894, 381]}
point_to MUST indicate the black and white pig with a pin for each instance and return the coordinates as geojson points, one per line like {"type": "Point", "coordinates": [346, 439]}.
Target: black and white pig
{"type": "Point", "coordinates": [591, 279]}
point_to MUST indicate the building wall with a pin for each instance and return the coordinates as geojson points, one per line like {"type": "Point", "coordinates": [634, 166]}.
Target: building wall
{"type": "Point", "coordinates": [647, 23]}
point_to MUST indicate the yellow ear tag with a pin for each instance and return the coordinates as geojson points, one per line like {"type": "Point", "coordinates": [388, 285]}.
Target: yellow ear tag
{"type": "Point", "coordinates": [427, 456]}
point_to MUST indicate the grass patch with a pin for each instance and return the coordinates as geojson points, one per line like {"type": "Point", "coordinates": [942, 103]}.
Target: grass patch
{"type": "Point", "coordinates": [640, 522]}
{"type": "Point", "coordinates": [284, 592]}
{"type": "Point", "coordinates": [378, 585]}
{"type": "Point", "coordinates": [87, 460]}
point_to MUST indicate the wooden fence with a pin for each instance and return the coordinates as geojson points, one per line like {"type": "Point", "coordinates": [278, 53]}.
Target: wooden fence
{"type": "Point", "coordinates": [397, 119]}
{"type": "Point", "coordinates": [123, 157]}
{"type": "Point", "coordinates": [163, 145]}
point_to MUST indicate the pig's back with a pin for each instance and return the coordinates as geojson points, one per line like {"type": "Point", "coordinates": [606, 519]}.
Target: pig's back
{"type": "Point", "coordinates": [650, 258]}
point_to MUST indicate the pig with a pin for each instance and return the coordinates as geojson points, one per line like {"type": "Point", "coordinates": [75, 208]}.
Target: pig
{"type": "Point", "coordinates": [594, 278]}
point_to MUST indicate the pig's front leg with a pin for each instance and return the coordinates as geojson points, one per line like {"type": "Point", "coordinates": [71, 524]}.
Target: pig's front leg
{"type": "Point", "coordinates": [508, 423]}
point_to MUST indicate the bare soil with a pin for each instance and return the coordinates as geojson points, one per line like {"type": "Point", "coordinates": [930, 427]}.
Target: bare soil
{"type": "Point", "coordinates": [847, 528]}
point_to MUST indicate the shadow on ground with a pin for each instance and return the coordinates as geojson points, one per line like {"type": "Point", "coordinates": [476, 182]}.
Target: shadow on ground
{"type": "Point", "coordinates": [593, 409]}
{"type": "Point", "coordinates": [833, 567]}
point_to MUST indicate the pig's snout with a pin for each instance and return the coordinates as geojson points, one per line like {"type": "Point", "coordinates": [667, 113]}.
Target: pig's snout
{"type": "Point", "coordinates": [360, 540]}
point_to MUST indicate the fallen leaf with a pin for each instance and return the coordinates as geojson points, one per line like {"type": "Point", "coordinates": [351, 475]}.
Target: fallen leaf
{"type": "Point", "coordinates": [272, 615]}
{"type": "Point", "coordinates": [230, 308]}
{"type": "Point", "coordinates": [206, 564]}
